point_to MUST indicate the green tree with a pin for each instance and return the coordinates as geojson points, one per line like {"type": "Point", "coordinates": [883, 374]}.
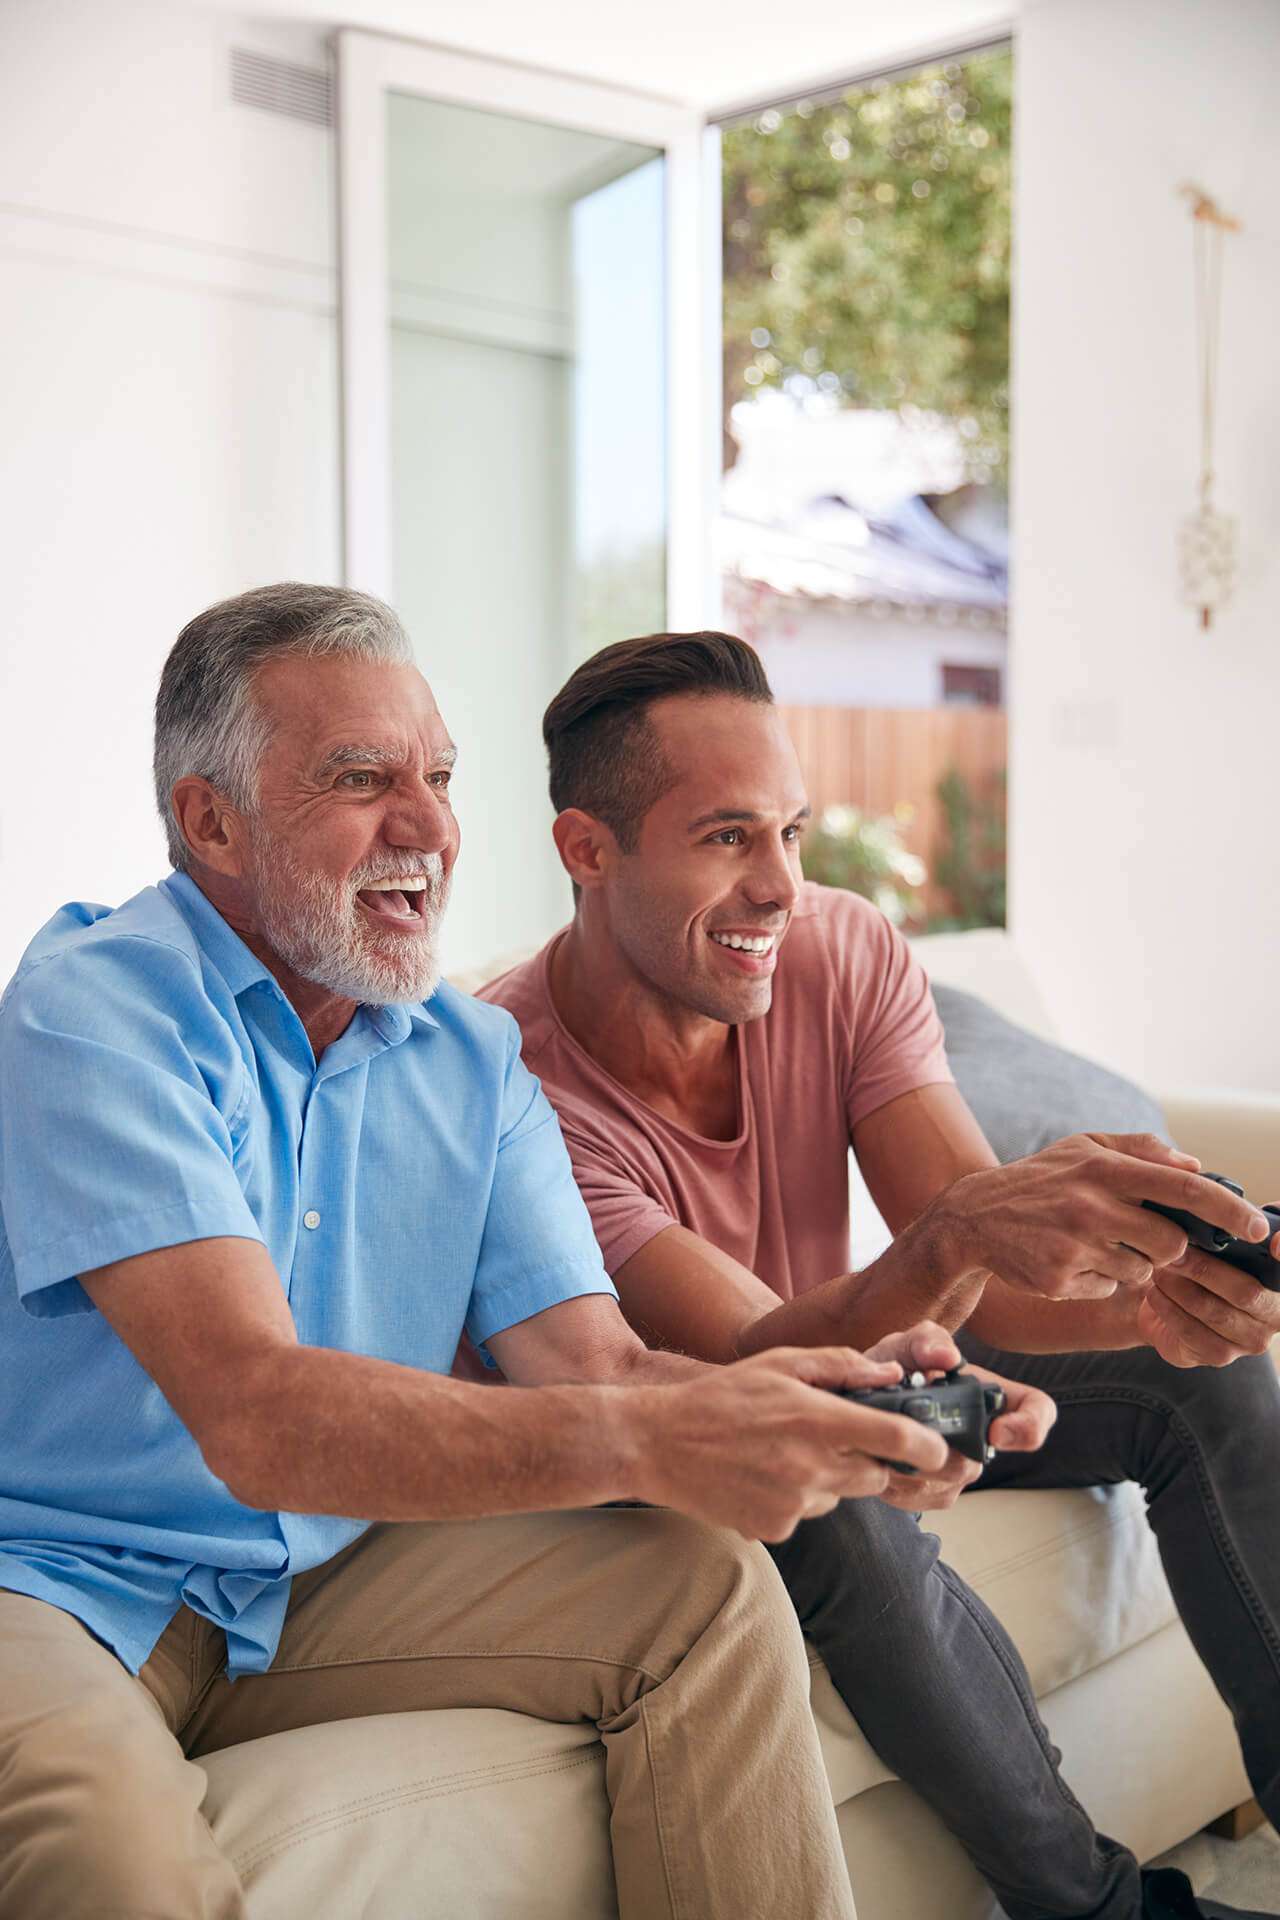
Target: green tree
{"type": "Point", "coordinates": [866, 245]}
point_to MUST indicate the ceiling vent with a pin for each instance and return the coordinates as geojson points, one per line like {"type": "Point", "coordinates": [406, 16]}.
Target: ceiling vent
{"type": "Point", "coordinates": [280, 86]}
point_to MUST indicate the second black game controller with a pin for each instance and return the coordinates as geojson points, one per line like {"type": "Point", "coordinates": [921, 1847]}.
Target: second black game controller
{"type": "Point", "coordinates": [960, 1407]}
{"type": "Point", "coordinates": [1253, 1257]}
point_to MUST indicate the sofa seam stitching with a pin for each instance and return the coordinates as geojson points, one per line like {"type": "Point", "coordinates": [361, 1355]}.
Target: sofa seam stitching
{"type": "Point", "coordinates": [320, 1825]}
{"type": "Point", "coordinates": [1015, 1563]}
{"type": "Point", "coordinates": [498, 1772]}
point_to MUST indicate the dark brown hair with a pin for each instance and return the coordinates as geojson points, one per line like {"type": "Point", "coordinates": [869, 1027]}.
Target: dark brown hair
{"type": "Point", "coordinates": [603, 751]}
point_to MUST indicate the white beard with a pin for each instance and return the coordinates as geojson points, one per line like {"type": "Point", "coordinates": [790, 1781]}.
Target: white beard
{"type": "Point", "coordinates": [314, 924]}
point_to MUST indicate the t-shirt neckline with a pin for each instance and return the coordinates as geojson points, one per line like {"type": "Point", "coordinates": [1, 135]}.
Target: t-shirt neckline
{"type": "Point", "coordinates": [743, 1133]}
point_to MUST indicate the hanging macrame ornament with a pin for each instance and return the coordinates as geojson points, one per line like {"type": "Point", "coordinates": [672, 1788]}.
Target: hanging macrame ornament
{"type": "Point", "coordinates": [1207, 539]}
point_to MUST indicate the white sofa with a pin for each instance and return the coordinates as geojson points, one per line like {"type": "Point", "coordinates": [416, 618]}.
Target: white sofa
{"type": "Point", "coordinates": [484, 1815]}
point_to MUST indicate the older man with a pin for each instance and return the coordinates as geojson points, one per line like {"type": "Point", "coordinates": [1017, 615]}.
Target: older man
{"type": "Point", "coordinates": [714, 1034]}
{"type": "Point", "coordinates": [258, 1172]}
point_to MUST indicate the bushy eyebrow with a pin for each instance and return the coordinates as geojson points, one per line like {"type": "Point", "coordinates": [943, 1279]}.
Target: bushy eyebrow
{"type": "Point", "coordinates": [354, 755]}
{"type": "Point", "coordinates": [740, 817]}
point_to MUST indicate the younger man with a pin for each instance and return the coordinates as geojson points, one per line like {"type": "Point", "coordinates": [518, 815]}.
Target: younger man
{"type": "Point", "coordinates": [714, 1034]}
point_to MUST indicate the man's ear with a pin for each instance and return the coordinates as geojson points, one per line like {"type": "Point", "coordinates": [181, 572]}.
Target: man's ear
{"type": "Point", "coordinates": [586, 847]}
{"type": "Point", "coordinates": [212, 828]}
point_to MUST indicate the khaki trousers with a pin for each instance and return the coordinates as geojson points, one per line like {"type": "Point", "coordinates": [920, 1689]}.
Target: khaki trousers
{"type": "Point", "coordinates": [677, 1640]}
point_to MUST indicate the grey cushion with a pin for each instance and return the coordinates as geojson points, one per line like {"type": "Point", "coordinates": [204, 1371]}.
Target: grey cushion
{"type": "Point", "coordinates": [1025, 1092]}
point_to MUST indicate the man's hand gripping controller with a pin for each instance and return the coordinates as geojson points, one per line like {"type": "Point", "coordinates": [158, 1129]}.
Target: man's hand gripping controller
{"type": "Point", "coordinates": [1253, 1257]}
{"type": "Point", "coordinates": [959, 1406]}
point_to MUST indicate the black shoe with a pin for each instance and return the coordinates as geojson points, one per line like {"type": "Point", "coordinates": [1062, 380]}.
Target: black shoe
{"type": "Point", "coordinates": [1168, 1895]}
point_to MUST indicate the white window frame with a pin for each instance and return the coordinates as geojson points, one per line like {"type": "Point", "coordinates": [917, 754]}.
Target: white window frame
{"type": "Point", "coordinates": [370, 66]}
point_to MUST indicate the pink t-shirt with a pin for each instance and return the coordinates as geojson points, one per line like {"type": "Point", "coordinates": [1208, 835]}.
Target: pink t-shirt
{"type": "Point", "coordinates": [852, 1026]}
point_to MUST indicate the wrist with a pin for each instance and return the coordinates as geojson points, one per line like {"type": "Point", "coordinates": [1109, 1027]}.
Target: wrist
{"type": "Point", "coordinates": [947, 1236]}
{"type": "Point", "coordinates": [1122, 1310]}
{"type": "Point", "coordinates": [633, 1443]}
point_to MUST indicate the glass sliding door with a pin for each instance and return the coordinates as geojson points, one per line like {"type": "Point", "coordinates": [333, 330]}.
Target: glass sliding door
{"type": "Point", "coordinates": [618, 433]}
{"type": "Point", "coordinates": [522, 472]}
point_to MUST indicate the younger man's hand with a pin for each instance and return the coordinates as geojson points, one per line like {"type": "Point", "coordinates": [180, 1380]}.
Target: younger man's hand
{"type": "Point", "coordinates": [1068, 1223]}
{"type": "Point", "coordinates": [1021, 1428]}
{"type": "Point", "coordinates": [925, 1348]}
{"type": "Point", "coordinates": [1202, 1312]}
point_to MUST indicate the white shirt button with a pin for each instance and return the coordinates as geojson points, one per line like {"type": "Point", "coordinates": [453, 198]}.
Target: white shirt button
{"type": "Point", "coordinates": [311, 1219]}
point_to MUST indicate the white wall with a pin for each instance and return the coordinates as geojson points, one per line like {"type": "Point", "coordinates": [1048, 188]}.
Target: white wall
{"type": "Point", "coordinates": [714, 54]}
{"type": "Point", "coordinates": [1143, 782]}
{"type": "Point", "coordinates": [169, 431]}
{"type": "Point", "coordinates": [168, 399]}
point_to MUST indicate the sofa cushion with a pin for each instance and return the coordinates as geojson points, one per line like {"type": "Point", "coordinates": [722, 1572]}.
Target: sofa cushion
{"type": "Point", "coordinates": [1024, 1091]}
{"type": "Point", "coordinates": [347, 1818]}
{"type": "Point", "coordinates": [405, 1814]}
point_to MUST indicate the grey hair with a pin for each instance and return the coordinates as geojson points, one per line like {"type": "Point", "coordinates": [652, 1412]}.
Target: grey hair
{"type": "Point", "coordinates": [207, 720]}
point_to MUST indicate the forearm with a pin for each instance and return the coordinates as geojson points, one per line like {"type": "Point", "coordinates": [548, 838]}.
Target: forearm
{"type": "Point", "coordinates": [1025, 1323]}
{"type": "Point", "coordinates": [318, 1431]}
{"type": "Point", "coordinates": [658, 1367]}
{"type": "Point", "coordinates": [921, 1276]}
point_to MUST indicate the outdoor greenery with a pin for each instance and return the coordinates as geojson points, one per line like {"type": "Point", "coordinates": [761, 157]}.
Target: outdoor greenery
{"type": "Point", "coordinates": [867, 265]}
{"type": "Point", "coordinates": [864, 852]}
{"type": "Point", "coordinates": [971, 862]}
{"type": "Point", "coordinates": [845, 847]}
{"type": "Point", "coordinates": [866, 251]}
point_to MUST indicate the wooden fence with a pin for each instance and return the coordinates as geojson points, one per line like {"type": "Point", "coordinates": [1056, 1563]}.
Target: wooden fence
{"type": "Point", "coordinates": [879, 760]}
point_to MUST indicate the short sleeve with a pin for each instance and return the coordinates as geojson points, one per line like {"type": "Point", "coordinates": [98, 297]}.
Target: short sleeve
{"type": "Point", "coordinates": [624, 1214]}
{"type": "Point", "coordinates": [896, 1037]}
{"type": "Point", "coordinates": [537, 1248]}
{"type": "Point", "coordinates": [111, 1141]}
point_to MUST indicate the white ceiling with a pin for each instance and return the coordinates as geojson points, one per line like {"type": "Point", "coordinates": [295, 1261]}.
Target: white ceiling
{"type": "Point", "coordinates": [715, 54]}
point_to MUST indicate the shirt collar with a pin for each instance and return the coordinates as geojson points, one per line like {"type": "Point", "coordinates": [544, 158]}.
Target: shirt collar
{"type": "Point", "coordinates": [397, 1022]}
{"type": "Point", "coordinates": [242, 969]}
{"type": "Point", "coordinates": [215, 937]}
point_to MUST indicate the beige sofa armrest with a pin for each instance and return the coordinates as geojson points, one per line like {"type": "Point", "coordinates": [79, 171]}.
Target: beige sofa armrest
{"type": "Point", "coordinates": [1231, 1131]}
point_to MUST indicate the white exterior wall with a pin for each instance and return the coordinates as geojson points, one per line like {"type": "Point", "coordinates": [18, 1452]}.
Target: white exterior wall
{"type": "Point", "coordinates": [825, 655]}
{"type": "Point", "coordinates": [168, 392]}
{"type": "Point", "coordinates": [1143, 802]}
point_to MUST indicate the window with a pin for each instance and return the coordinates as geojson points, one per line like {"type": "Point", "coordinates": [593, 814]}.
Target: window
{"type": "Point", "coordinates": [964, 686]}
{"type": "Point", "coordinates": [864, 533]}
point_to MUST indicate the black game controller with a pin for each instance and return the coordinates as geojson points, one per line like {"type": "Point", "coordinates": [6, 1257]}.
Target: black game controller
{"type": "Point", "coordinates": [1250, 1256]}
{"type": "Point", "coordinates": [959, 1406]}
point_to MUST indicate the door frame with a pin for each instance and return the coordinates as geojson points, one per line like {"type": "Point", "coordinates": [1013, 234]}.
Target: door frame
{"type": "Point", "coordinates": [371, 65]}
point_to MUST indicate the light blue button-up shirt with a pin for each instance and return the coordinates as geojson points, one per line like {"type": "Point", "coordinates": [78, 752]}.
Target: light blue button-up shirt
{"type": "Point", "coordinates": [157, 1087]}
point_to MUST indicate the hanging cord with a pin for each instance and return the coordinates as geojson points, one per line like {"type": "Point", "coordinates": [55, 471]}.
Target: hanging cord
{"type": "Point", "coordinates": [1207, 243]}
{"type": "Point", "coordinates": [1209, 538]}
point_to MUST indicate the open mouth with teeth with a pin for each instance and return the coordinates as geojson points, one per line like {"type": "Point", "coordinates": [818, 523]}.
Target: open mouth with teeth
{"type": "Point", "coordinates": [753, 952]}
{"type": "Point", "coordinates": [401, 902]}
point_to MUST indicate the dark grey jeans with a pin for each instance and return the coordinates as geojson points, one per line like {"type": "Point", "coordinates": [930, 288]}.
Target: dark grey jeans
{"type": "Point", "coordinates": [937, 1686]}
